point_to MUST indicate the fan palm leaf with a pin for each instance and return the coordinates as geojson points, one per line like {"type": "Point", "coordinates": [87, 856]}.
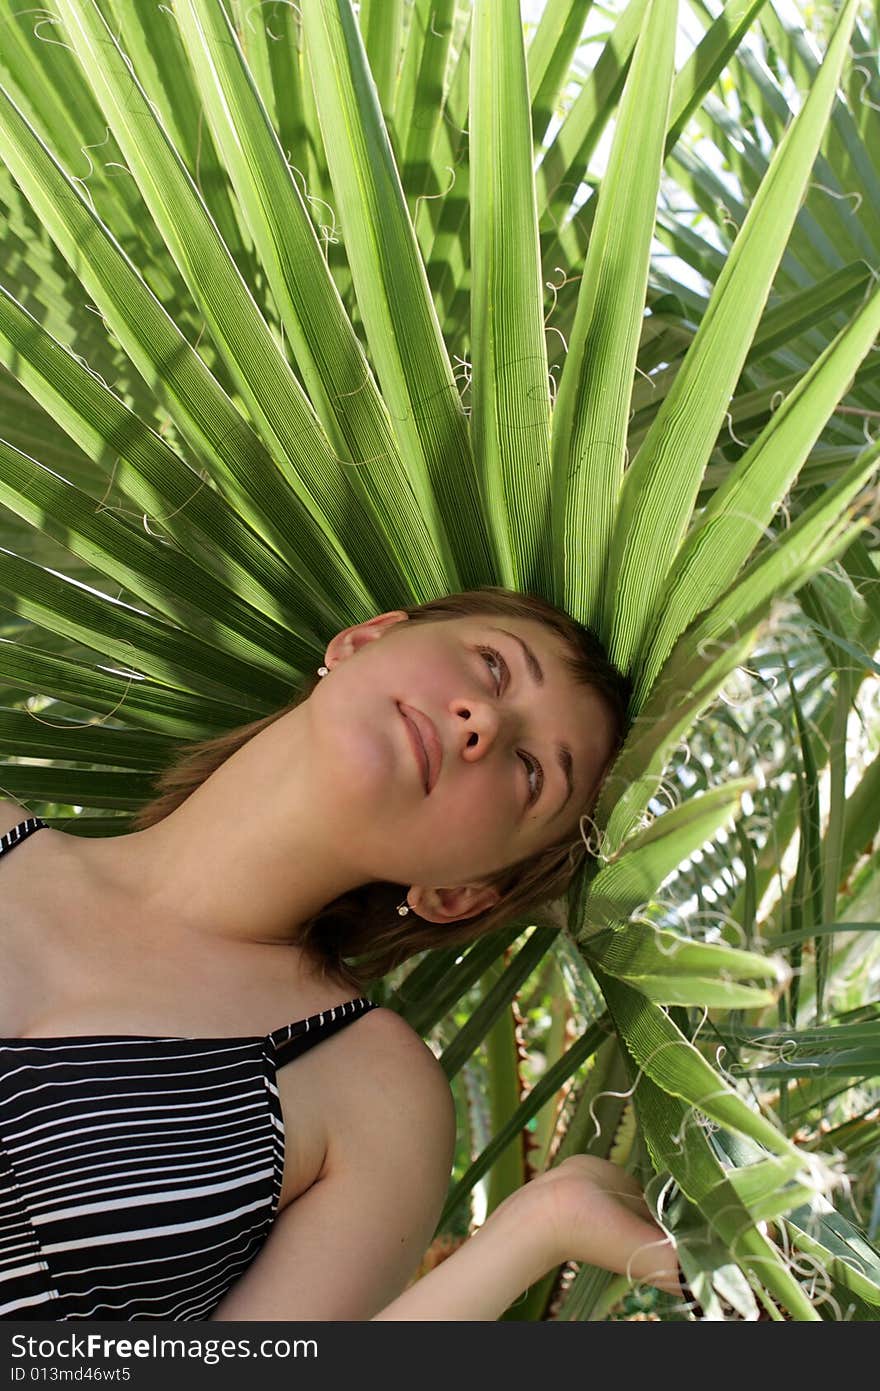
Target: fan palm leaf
{"type": "Point", "coordinates": [252, 428]}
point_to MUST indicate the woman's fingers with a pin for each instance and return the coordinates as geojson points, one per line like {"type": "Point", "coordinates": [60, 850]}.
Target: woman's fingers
{"type": "Point", "coordinates": [601, 1215]}
{"type": "Point", "coordinates": [601, 1226]}
{"type": "Point", "coordinates": [611, 1178]}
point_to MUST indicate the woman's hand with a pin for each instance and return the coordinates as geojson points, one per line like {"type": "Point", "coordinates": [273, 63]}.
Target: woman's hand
{"type": "Point", "coordinates": [585, 1210]}
{"type": "Point", "coordinates": [594, 1211]}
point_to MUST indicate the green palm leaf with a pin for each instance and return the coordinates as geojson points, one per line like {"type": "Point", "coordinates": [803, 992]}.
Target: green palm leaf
{"type": "Point", "coordinates": [243, 254]}
{"type": "Point", "coordinates": [393, 294]}
{"type": "Point", "coordinates": [660, 487]}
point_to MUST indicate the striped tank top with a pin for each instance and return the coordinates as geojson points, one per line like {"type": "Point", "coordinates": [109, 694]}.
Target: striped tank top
{"type": "Point", "coordinates": [139, 1176]}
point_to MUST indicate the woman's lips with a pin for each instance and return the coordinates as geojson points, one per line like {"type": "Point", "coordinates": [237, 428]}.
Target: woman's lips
{"type": "Point", "coordinates": [426, 745]}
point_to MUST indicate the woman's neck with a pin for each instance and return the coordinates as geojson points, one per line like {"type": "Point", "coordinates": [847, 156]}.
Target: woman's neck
{"type": "Point", "coordinates": [245, 858]}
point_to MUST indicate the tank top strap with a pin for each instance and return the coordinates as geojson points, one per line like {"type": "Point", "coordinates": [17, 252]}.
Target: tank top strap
{"type": "Point", "coordinates": [293, 1039]}
{"type": "Point", "coordinates": [20, 833]}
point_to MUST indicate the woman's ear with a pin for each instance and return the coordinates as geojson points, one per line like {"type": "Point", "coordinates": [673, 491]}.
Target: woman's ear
{"type": "Point", "coordinates": [346, 643]}
{"type": "Point", "coordinates": [451, 905]}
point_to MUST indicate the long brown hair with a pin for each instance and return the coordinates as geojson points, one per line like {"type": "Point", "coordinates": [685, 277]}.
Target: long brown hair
{"type": "Point", "coordinates": [363, 926]}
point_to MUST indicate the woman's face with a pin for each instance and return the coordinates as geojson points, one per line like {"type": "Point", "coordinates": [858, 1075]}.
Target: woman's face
{"type": "Point", "coordinates": [451, 749]}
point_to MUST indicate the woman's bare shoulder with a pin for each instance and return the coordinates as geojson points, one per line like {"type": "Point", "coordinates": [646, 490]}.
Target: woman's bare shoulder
{"type": "Point", "coordinates": [373, 1208]}
{"type": "Point", "coordinates": [11, 814]}
{"type": "Point", "coordinates": [393, 1044]}
{"type": "Point", "coordinates": [398, 1076]}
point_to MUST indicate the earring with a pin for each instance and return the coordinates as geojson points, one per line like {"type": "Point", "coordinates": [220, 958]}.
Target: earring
{"type": "Point", "coordinates": [323, 671]}
{"type": "Point", "coordinates": [403, 908]}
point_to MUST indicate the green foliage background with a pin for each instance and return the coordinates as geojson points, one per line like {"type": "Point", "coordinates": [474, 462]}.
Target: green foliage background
{"type": "Point", "coordinates": [309, 311]}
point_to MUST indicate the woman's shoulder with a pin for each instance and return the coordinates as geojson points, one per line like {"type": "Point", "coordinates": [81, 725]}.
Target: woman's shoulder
{"type": "Point", "coordinates": [11, 814]}
{"type": "Point", "coordinates": [397, 1070]}
{"type": "Point", "coordinates": [382, 1036]}
{"type": "Point", "coordinates": [395, 1044]}
{"type": "Point", "coordinates": [394, 1107]}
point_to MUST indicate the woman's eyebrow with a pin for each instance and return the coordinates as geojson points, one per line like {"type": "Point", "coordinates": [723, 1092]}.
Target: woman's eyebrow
{"type": "Point", "coordinates": [566, 763]}
{"type": "Point", "coordinates": [532, 662]}
{"type": "Point", "coordinates": [563, 752]}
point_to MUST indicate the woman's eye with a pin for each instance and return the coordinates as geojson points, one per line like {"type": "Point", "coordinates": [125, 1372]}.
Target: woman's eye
{"type": "Point", "coordinates": [535, 771]}
{"type": "Point", "coordinates": [496, 664]}
{"type": "Point", "coordinates": [494, 660]}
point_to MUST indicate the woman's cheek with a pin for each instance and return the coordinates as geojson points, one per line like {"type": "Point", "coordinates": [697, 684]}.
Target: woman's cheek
{"type": "Point", "coordinates": [484, 833]}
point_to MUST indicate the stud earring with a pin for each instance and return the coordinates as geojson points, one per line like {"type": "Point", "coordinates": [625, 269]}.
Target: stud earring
{"type": "Point", "coordinates": [323, 671]}
{"type": "Point", "coordinates": [403, 908]}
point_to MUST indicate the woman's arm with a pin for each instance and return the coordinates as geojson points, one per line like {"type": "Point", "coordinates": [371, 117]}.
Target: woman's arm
{"type": "Point", "coordinates": [483, 1276]}
{"type": "Point", "coordinates": [347, 1246]}
{"type": "Point", "coordinates": [585, 1209]}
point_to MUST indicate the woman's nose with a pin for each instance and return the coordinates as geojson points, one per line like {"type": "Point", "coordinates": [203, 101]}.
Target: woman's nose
{"type": "Point", "coordinates": [479, 720]}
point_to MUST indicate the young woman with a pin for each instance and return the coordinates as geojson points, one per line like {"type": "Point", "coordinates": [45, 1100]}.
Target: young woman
{"type": "Point", "coordinates": [159, 1158]}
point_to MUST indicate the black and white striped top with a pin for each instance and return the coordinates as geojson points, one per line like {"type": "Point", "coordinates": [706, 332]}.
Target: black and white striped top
{"type": "Point", "coordinates": [139, 1176]}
